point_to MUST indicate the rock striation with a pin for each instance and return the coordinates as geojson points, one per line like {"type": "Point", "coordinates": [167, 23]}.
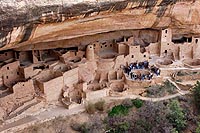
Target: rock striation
{"type": "Point", "coordinates": [27, 24]}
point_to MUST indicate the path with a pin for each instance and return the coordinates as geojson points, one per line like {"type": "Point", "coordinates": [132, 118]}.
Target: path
{"type": "Point", "coordinates": [61, 111]}
{"type": "Point", "coordinates": [150, 99]}
{"type": "Point", "coordinates": [44, 116]}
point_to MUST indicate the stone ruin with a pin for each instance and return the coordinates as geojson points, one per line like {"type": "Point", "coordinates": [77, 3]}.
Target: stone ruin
{"type": "Point", "coordinates": [78, 74]}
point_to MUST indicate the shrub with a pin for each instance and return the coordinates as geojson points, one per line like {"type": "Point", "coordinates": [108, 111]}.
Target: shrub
{"type": "Point", "coordinates": [198, 128]}
{"type": "Point", "coordinates": [76, 126]}
{"type": "Point", "coordinates": [90, 108]}
{"type": "Point", "coordinates": [120, 128]}
{"type": "Point", "coordinates": [137, 103]}
{"type": "Point", "coordinates": [176, 116]}
{"type": "Point", "coordinates": [100, 105]}
{"type": "Point", "coordinates": [142, 126]}
{"type": "Point", "coordinates": [119, 110]}
{"type": "Point", "coordinates": [127, 102]}
{"type": "Point", "coordinates": [196, 93]}
{"type": "Point", "coordinates": [84, 128]}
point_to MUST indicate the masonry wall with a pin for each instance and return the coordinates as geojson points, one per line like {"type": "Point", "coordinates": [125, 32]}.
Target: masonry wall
{"type": "Point", "coordinates": [166, 36]}
{"type": "Point", "coordinates": [94, 95]}
{"type": "Point", "coordinates": [70, 77]}
{"type": "Point", "coordinates": [25, 56]}
{"type": "Point", "coordinates": [22, 92]}
{"type": "Point", "coordinates": [87, 71]}
{"type": "Point", "coordinates": [1, 81]}
{"type": "Point", "coordinates": [105, 64]}
{"type": "Point", "coordinates": [122, 48]}
{"type": "Point", "coordinates": [132, 83]}
{"type": "Point", "coordinates": [6, 55]}
{"type": "Point", "coordinates": [136, 55]}
{"type": "Point", "coordinates": [106, 46]}
{"type": "Point", "coordinates": [22, 89]}
{"type": "Point", "coordinates": [154, 49]}
{"type": "Point", "coordinates": [53, 89]}
{"type": "Point", "coordinates": [186, 51]}
{"type": "Point", "coordinates": [11, 73]}
{"type": "Point", "coordinates": [196, 48]}
{"type": "Point", "coordinates": [120, 60]}
{"type": "Point", "coordinates": [28, 72]}
{"type": "Point", "coordinates": [188, 77]}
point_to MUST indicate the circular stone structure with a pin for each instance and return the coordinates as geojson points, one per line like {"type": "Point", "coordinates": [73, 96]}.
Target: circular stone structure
{"type": "Point", "coordinates": [164, 62]}
{"type": "Point", "coordinates": [117, 86]}
{"type": "Point", "coordinates": [192, 63]}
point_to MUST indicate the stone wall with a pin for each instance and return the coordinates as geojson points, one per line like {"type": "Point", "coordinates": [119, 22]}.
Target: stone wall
{"type": "Point", "coordinates": [53, 89]}
{"type": "Point", "coordinates": [95, 95]}
{"type": "Point", "coordinates": [11, 73]}
{"type": "Point", "coordinates": [70, 77]}
{"type": "Point", "coordinates": [22, 92]}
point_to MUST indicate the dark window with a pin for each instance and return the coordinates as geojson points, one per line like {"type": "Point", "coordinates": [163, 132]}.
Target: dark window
{"type": "Point", "coordinates": [166, 31]}
{"type": "Point", "coordinates": [110, 45]}
{"type": "Point", "coordinates": [196, 40]}
{"type": "Point", "coordinates": [168, 44]}
{"type": "Point", "coordinates": [101, 46]}
{"type": "Point", "coordinates": [165, 51]}
{"type": "Point", "coordinates": [6, 54]}
{"type": "Point", "coordinates": [7, 68]}
{"type": "Point", "coordinates": [94, 45]}
{"type": "Point", "coordinates": [144, 55]}
{"type": "Point", "coordinates": [17, 73]}
{"type": "Point", "coordinates": [105, 45]}
{"type": "Point", "coordinates": [132, 56]}
{"type": "Point", "coordinates": [23, 85]}
{"type": "Point", "coordinates": [190, 39]}
{"type": "Point", "coordinates": [7, 77]}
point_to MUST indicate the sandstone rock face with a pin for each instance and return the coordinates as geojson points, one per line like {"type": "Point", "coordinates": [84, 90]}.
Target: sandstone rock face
{"type": "Point", "coordinates": [56, 20]}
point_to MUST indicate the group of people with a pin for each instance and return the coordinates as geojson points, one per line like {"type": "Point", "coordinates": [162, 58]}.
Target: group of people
{"type": "Point", "coordinates": [141, 65]}
{"type": "Point", "coordinates": [140, 76]}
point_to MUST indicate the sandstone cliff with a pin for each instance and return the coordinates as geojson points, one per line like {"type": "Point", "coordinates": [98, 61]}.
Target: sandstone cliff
{"type": "Point", "coordinates": [39, 22]}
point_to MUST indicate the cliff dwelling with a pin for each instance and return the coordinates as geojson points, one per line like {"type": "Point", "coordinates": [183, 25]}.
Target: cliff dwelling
{"type": "Point", "coordinates": [73, 75]}
{"type": "Point", "coordinates": [67, 59]}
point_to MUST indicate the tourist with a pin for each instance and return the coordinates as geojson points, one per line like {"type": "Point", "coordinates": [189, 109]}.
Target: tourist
{"type": "Point", "coordinates": [146, 64]}
{"type": "Point", "coordinates": [129, 70]}
{"type": "Point", "coordinates": [157, 71]}
{"type": "Point", "coordinates": [143, 76]}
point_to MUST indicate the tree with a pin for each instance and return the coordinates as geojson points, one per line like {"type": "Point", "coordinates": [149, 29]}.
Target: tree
{"type": "Point", "coordinates": [137, 103]}
{"type": "Point", "coordinates": [176, 115]}
{"type": "Point", "coordinates": [198, 128]}
{"type": "Point", "coordinates": [152, 117]}
{"type": "Point", "coordinates": [196, 93]}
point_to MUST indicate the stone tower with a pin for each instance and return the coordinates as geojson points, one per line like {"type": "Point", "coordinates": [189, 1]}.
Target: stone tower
{"type": "Point", "coordinates": [90, 52]}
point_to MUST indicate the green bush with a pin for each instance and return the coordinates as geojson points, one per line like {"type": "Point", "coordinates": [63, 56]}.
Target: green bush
{"type": "Point", "coordinates": [196, 93]}
{"type": "Point", "coordinates": [198, 128]}
{"type": "Point", "coordinates": [120, 128]}
{"type": "Point", "coordinates": [176, 116]}
{"type": "Point", "coordinates": [137, 103]}
{"type": "Point", "coordinates": [143, 126]}
{"type": "Point", "coordinates": [119, 110]}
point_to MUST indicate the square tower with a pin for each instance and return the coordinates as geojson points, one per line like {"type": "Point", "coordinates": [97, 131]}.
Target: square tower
{"type": "Point", "coordinates": [166, 36]}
